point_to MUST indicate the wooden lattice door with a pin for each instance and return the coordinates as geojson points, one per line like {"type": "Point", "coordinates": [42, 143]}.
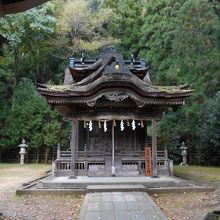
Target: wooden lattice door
{"type": "Point", "coordinates": [148, 161]}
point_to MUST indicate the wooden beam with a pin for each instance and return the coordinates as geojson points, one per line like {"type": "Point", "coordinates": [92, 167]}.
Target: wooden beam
{"type": "Point", "coordinates": [99, 116]}
{"type": "Point", "coordinates": [154, 147]}
{"type": "Point", "coordinates": [73, 147]}
{"type": "Point", "coordinates": [113, 149]}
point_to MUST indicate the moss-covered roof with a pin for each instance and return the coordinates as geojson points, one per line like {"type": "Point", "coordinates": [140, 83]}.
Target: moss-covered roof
{"type": "Point", "coordinates": [159, 89]}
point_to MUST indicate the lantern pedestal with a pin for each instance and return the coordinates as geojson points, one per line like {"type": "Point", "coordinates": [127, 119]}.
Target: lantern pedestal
{"type": "Point", "coordinates": [22, 152]}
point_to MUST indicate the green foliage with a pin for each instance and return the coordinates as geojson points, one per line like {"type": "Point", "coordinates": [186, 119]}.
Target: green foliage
{"type": "Point", "coordinates": [28, 27]}
{"type": "Point", "coordinates": [198, 62]}
{"type": "Point", "coordinates": [26, 52]}
{"type": "Point", "coordinates": [126, 25]}
{"type": "Point", "coordinates": [26, 34]}
{"type": "Point", "coordinates": [81, 27]}
{"type": "Point", "coordinates": [210, 130]}
{"type": "Point", "coordinates": [32, 119]}
{"type": "Point", "coordinates": [160, 22]}
{"type": "Point", "coordinates": [178, 38]}
{"type": "Point", "coordinates": [180, 41]}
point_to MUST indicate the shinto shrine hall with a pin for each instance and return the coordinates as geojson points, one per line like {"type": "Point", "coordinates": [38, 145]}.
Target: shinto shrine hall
{"type": "Point", "coordinates": [111, 103]}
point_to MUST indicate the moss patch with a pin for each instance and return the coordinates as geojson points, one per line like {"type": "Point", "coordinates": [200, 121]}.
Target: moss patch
{"type": "Point", "coordinates": [171, 89]}
{"type": "Point", "coordinates": [208, 175]}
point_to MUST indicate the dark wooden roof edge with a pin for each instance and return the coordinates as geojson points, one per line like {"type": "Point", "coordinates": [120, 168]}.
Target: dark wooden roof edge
{"type": "Point", "coordinates": [155, 94]}
{"type": "Point", "coordinates": [9, 7]}
{"type": "Point", "coordinates": [140, 103]}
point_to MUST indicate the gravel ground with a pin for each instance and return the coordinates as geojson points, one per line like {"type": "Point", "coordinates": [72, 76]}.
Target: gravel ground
{"type": "Point", "coordinates": [177, 206]}
{"type": "Point", "coordinates": [40, 207]}
{"type": "Point", "coordinates": [33, 207]}
{"type": "Point", "coordinates": [188, 206]}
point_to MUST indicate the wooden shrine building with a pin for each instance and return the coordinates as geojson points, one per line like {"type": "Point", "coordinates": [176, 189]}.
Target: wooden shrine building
{"type": "Point", "coordinates": [110, 102]}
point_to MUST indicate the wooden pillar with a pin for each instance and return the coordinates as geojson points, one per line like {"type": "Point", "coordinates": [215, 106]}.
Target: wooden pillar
{"type": "Point", "coordinates": [77, 141]}
{"type": "Point", "coordinates": [154, 146]}
{"type": "Point", "coordinates": [87, 140]}
{"type": "Point", "coordinates": [113, 149]}
{"type": "Point", "coordinates": [135, 139]}
{"type": "Point", "coordinates": [73, 147]}
{"type": "Point", "coordinates": [145, 132]}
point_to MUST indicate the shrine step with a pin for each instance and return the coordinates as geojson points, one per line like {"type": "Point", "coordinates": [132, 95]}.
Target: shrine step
{"type": "Point", "coordinates": [115, 188]}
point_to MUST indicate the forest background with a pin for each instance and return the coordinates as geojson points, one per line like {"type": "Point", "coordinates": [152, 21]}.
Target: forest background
{"type": "Point", "coordinates": [180, 40]}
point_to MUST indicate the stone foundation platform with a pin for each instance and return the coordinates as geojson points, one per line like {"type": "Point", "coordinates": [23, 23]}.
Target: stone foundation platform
{"type": "Point", "coordinates": [82, 182]}
{"type": "Point", "coordinates": [83, 185]}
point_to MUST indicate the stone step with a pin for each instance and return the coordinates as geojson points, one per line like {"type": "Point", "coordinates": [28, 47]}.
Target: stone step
{"type": "Point", "coordinates": [78, 184]}
{"type": "Point", "coordinates": [115, 188]}
{"type": "Point", "coordinates": [33, 190]}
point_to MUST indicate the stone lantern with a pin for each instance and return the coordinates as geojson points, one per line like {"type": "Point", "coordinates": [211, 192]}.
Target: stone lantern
{"type": "Point", "coordinates": [183, 149]}
{"type": "Point", "coordinates": [23, 151]}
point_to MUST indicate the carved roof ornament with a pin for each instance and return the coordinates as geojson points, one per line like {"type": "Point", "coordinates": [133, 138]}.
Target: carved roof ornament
{"type": "Point", "coordinates": [116, 96]}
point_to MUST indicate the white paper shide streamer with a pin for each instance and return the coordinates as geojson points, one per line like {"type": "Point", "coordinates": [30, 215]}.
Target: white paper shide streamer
{"type": "Point", "coordinates": [133, 125]}
{"type": "Point", "coordinates": [90, 125]}
{"type": "Point", "coordinates": [105, 126]}
{"type": "Point", "coordinates": [122, 125]}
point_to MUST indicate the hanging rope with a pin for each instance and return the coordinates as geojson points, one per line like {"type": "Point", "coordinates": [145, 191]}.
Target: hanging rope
{"type": "Point", "coordinates": [84, 124]}
{"type": "Point", "coordinates": [100, 126]}
{"type": "Point", "coordinates": [128, 123]}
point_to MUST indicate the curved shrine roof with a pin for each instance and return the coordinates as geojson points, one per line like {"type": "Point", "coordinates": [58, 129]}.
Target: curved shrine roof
{"type": "Point", "coordinates": [115, 80]}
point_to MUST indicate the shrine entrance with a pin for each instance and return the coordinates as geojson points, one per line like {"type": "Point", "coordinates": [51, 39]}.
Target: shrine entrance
{"type": "Point", "coordinates": [98, 143]}
{"type": "Point", "coordinates": [98, 140]}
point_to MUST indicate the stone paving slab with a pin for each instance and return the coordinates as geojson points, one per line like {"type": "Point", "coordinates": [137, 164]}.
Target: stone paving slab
{"type": "Point", "coordinates": [120, 206]}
